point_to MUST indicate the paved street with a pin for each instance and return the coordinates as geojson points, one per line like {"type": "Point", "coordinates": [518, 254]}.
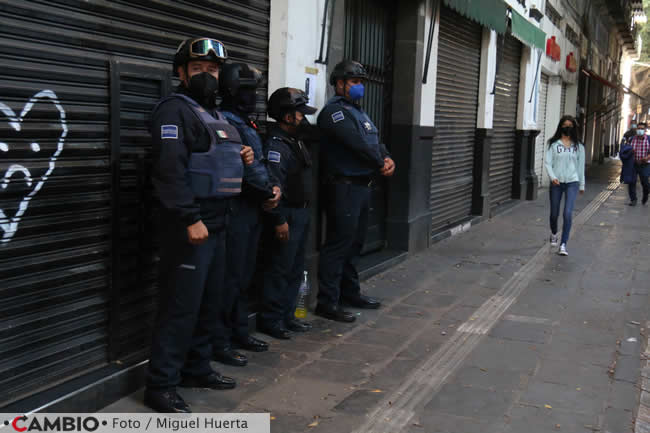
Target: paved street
{"type": "Point", "coordinates": [487, 331]}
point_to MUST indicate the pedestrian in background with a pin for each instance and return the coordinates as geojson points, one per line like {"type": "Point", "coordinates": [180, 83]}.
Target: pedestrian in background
{"type": "Point", "coordinates": [630, 133]}
{"type": "Point", "coordinates": [628, 173]}
{"type": "Point", "coordinates": [640, 144]}
{"type": "Point", "coordinates": [565, 165]}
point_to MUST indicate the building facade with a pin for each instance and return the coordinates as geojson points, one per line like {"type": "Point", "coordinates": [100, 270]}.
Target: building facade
{"type": "Point", "coordinates": [465, 99]}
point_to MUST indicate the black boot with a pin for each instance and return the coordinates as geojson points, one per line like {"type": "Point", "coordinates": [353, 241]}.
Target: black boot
{"type": "Point", "coordinates": [211, 381]}
{"type": "Point", "coordinates": [296, 325]}
{"type": "Point", "coordinates": [226, 355]}
{"type": "Point", "coordinates": [165, 401]}
{"type": "Point", "coordinates": [334, 312]}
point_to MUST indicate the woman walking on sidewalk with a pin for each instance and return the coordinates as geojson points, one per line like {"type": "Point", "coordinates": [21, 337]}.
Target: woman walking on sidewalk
{"type": "Point", "coordinates": [565, 165]}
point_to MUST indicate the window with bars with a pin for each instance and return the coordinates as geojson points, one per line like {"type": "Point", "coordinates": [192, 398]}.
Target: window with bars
{"type": "Point", "coordinates": [553, 15]}
{"type": "Point", "coordinates": [572, 36]}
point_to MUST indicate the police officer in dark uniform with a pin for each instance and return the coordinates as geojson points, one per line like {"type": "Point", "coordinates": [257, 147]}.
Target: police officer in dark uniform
{"type": "Point", "coordinates": [239, 83]}
{"type": "Point", "coordinates": [197, 169]}
{"type": "Point", "coordinates": [351, 155]}
{"type": "Point", "coordinates": [290, 163]}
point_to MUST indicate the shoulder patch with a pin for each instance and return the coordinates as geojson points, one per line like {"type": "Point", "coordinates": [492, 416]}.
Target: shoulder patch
{"type": "Point", "coordinates": [274, 156]}
{"type": "Point", "coordinates": [169, 131]}
{"type": "Point", "coordinates": [337, 117]}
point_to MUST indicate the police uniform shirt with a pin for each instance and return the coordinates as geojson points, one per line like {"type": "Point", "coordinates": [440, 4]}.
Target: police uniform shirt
{"type": "Point", "coordinates": [350, 140]}
{"type": "Point", "coordinates": [291, 170]}
{"type": "Point", "coordinates": [176, 132]}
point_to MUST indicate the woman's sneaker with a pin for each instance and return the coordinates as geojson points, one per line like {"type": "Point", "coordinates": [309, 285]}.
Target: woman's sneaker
{"type": "Point", "coordinates": [554, 240]}
{"type": "Point", "coordinates": [563, 251]}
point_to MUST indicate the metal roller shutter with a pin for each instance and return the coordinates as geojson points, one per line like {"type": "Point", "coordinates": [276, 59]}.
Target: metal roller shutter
{"type": "Point", "coordinates": [563, 100]}
{"type": "Point", "coordinates": [77, 83]}
{"type": "Point", "coordinates": [541, 124]}
{"type": "Point", "coordinates": [505, 121]}
{"type": "Point", "coordinates": [459, 62]}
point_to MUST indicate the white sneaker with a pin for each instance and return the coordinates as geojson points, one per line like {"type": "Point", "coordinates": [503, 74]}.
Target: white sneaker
{"type": "Point", "coordinates": [563, 251]}
{"type": "Point", "coordinates": [554, 240]}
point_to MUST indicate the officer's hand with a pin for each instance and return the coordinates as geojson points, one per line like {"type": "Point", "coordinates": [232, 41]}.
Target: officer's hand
{"type": "Point", "coordinates": [389, 167]}
{"type": "Point", "coordinates": [555, 182]}
{"type": "Point", "coordinates": [197, 233]}
{"type": "Point", "coordinates": [247, 155]}
{"type": "Point", "coordinates": [282, 232]}
{"type": "Point", "coordinates": [272, 203]}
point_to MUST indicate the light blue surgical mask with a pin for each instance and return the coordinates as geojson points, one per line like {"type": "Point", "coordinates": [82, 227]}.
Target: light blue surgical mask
{"type": "Point", "coordinates": [356, 92]}
{"type": "Point", "coordinates": [640, 131]}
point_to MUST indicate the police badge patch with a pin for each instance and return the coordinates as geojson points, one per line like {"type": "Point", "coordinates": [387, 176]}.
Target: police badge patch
{"type": "Point", "coordinates": [367, 125]}
{"type": "Point", "coordinates": [274, 156]}
{"type": "Point", "coordinates": [337, 117]}
{"type": "Point", "coordinates": [169, 131]}
{"type": "Point", "coordinates": [222, 134]}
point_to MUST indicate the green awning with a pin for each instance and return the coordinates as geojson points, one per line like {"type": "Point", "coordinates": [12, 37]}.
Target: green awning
{"type": "Point", "coordinates": [488, 13]}
{"type": "Point", "coordinates": [527, 33]}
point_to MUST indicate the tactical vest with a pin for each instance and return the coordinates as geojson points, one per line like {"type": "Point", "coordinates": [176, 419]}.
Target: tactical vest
{"type": "Point", "coordinates": [218, 172]}
{"type": "Point", "coordinates": [256, 177]}
{"type": "Point", "coordinates": [299, 178]}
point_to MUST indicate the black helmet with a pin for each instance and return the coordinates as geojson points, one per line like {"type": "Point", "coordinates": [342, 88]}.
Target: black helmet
{"type": "Point", "coordinates": [347, 69]}
{"type": "Point", "coordinates": [288, 99]}
{"type": "Point", "coordinates": [236, 75]}
{"type": "Point", "coordinates": [199, 49]}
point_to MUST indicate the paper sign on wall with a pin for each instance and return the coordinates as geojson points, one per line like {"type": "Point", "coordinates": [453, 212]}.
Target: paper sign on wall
{"type": "Point", "coordinates": [310, 84]}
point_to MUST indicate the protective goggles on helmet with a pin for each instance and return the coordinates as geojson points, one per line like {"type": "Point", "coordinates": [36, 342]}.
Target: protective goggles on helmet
{"type": "Point", "coordinates": [202, 47]}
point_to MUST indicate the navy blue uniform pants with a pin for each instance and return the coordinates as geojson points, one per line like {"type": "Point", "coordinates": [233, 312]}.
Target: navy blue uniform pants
{"type": "Point", "coordinates": [242, 239]}
{"type": "Point", "coordinates": [570, 192]}
{"type": "Point", "coordinates": [190, 282]}
{"type": "Point", "coordinates": [642, 171]}
{"type": "Point", "coordinates": [347, 207]}
{"type": "Point", "coordinates": [284, 267]}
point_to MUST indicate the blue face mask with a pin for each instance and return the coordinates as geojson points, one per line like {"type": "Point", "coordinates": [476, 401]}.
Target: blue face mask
{"type": "Point", "coordinates": [356, 92]}
{"type": "Point", "coordinates": [640, 131]}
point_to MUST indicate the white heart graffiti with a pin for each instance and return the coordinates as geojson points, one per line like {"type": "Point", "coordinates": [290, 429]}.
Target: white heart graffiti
{"type": "Point", "coordinates": [9, 225]}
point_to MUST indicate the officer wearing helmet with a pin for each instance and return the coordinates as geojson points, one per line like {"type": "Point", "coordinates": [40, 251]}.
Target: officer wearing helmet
{"type": "Point", "coordinates": [239, 83]}
{"type": "Point", "coordinates": [198, 164]}
{"type": "Point", "coordinates": [289, 162]}
{"type": "Point", "coordinates": [351, 157]}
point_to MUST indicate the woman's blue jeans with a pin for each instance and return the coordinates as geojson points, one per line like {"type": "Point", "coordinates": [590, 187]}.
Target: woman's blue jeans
{"type": "Point", "coordinates": [571, 191]}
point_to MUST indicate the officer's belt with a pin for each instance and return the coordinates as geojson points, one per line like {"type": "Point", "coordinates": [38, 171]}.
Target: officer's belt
{"type": "Point", "coordinates": [354, 180]}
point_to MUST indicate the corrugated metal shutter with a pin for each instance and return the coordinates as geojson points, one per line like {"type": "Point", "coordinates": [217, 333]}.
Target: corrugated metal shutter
{"type": "Point", "coordinates": [563, 100]}
{"type": "Point", "coordinates": [76, 256]}
{"type": "Point", "coordinates": [459, 62]}
{"type": "Point", "coordinates": [541, 124]}
{"type": "Point", "coordinates": [505, 121]}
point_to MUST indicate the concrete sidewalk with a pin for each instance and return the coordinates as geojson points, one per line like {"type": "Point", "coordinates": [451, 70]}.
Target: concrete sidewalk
{"type": "Point", "coordinates": [546, 343]}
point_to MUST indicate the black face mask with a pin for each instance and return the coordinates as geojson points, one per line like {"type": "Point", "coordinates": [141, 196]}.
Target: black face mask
{"type": "Point", "coordinates": [246, 100]}
{"type": "Point", "coordinates": [204, 87]}
{"type": "Point", "coordinates": [567, 130]}
{"type": "Point", "coordinates": [302, 128]}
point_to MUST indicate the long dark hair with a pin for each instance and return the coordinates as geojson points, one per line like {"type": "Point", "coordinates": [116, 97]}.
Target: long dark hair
{"type": "Point", "coordinates": [558, 131]}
